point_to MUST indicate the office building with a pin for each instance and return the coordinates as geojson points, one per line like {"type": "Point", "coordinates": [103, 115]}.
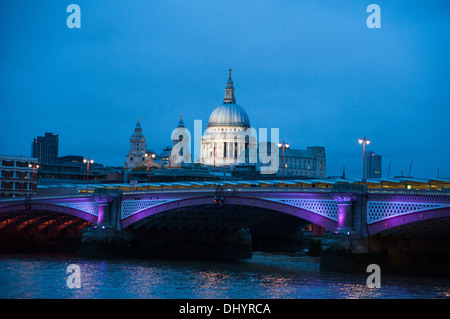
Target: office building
{"type": "Point", "coordinates": [45, 148]}
{"type": "Point", "coordinates": [373, 165]}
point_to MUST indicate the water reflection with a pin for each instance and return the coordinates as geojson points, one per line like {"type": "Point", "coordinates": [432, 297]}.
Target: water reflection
{"type": "Point", "coordinates": [211, 284]}
{"type": "Point", "coordinates": [277, 287]}
{"type": "Point", "coordinates": [263, 276]}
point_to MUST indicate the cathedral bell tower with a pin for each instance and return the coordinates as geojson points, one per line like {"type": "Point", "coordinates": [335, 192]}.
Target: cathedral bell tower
{"type": "Point", "coordinates": [138, 148]}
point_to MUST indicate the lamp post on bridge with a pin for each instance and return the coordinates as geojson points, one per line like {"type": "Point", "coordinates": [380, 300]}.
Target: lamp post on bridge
{"type": "Point", "coordinates": [364, 141]}
{"type": "Point", "coordinates": [148, 155]}
{"type": "Point", "coordinates": [283, 145]}
{"type": "Point", "coordinates": [91, 161]}
{"type": "Point", "coordinates": [34, 166]}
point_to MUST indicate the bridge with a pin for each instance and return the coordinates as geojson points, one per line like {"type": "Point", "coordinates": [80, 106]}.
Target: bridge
{"type": "Point", "coordinates": [346, 209]}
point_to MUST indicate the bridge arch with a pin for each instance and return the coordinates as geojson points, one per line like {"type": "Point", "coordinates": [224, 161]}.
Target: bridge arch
{"type": "Point", "coordinates": [36, 226]}
{"type": "Point", "coordinates": [20, 208]}
{"type": "Point", "coordinates": [389, 225]}
{"type": "Point", "coordinates": [270, 205]}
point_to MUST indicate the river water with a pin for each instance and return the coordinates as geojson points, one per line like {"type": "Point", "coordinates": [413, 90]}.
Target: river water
{"type": "Point", "coordinates": [265, 275]}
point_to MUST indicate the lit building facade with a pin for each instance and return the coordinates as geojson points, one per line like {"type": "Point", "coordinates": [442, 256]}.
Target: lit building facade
{"type": "Point", "coordinates": [310, 163]}
{"type": "Point", "coordinates": [16, 176]}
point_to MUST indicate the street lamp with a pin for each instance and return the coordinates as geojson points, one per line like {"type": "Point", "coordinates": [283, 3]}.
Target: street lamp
{"type": "Point", "coordinates": [88, 161]}
{"type": "Point", "coordinates": [152, 155]}
{"type": "Point", "coordinates": [364, 141]}
{"type": "Point", "coordinates": [34, 166]}
{"type": "Point", "coordinates": [283, 145]}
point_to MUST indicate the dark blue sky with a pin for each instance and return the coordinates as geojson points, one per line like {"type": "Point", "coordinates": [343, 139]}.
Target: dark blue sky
{"type": "Point", "coordinates": [311, 68]}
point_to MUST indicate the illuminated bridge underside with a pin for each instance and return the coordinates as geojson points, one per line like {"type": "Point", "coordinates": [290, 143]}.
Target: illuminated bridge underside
{"type": "Point", "coordinates": [434, 222]}
{"type": "Point", "coordinates": [20, 209]}
{"type": "Point", "coordinates": [388, 214]}
{"type": "Point", "coordinates": [325, 214]}
{"type": "Point", "coordinates": [44, 218]}
{"type": "Point", "coordinates": [40, 221]}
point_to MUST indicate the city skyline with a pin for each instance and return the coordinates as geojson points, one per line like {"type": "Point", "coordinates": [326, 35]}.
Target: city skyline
{"type": "Point", "coordinates": [316, 72]}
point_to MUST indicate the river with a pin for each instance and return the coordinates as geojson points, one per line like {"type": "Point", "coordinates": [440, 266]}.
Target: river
{"type": "Point", "coordinates": [265, 275]}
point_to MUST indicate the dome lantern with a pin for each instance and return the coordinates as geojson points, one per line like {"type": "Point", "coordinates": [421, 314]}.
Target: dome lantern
{"type": "Point", "coordinates": [229, 90]}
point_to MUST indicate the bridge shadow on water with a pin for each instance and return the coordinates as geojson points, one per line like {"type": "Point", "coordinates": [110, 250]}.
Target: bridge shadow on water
{"type": "Point", "coordinates": [212, 233]}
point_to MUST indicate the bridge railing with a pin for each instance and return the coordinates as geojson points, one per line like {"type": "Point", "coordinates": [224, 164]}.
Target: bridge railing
{"type": "Point", "coordinates": [410, 191]}
{"type": "Point", "coordinates": [233, 189]}
{"type": "Point", "coordinates": [292, 190]}
{"type": "Point", "coordinates": [43, 198]}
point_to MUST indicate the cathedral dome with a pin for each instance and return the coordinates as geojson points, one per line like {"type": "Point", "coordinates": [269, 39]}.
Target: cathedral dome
{"type": "Point", "coordinates": [229, 114]}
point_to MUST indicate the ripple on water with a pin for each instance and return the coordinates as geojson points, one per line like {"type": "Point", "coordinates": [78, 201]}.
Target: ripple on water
{"type": "Point", "coordinates": [265, 275]}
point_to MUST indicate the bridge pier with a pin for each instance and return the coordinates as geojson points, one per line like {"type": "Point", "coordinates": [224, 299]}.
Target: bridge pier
{"type": "Point", "coordinates": [103, 241]}
{"type": "Point", "coordinates": [347, 248]}
{"type": "Point", "coordinates": [394, 254]}
{"type": "Point", "coordinates": [345, 213]}
{"type": "Point", "coordinates": [106, 238]}
{"type": "Point", "coordinates": [351, 248]}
